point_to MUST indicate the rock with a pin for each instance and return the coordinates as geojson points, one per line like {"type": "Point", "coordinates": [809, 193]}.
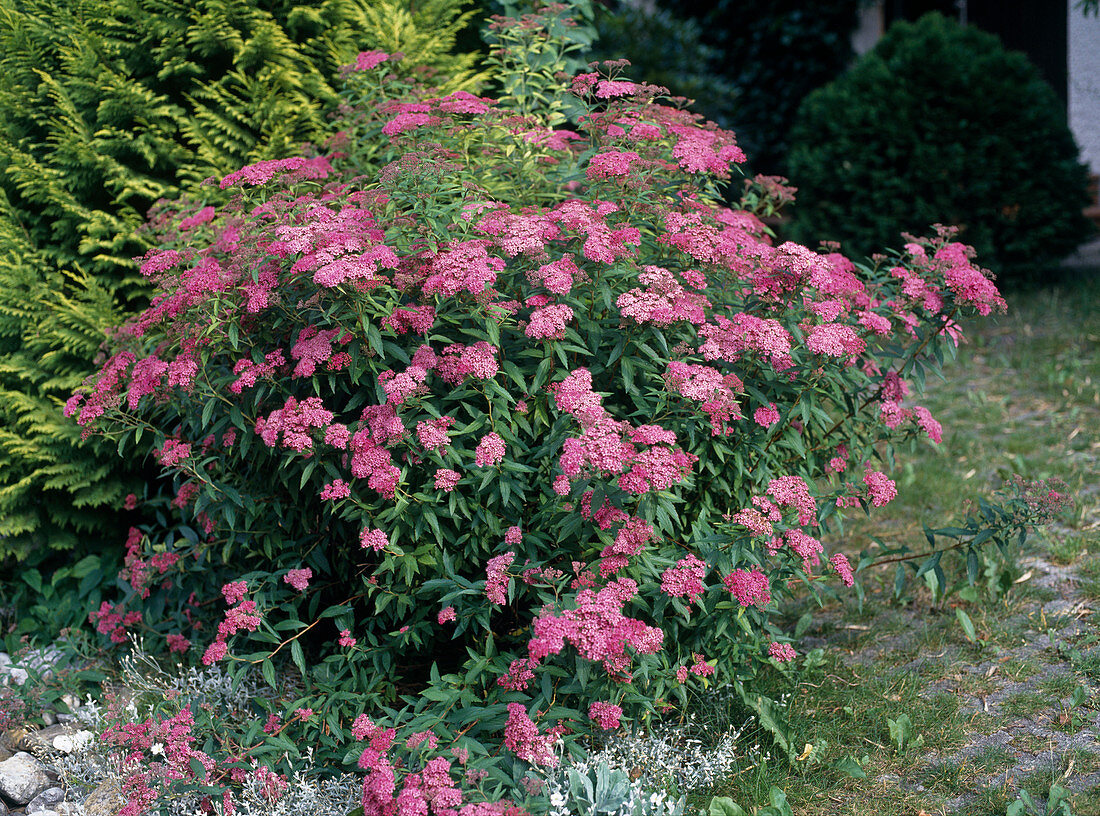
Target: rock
{"type": "Point", "coordinates": [43, 739]}
{"type": "Point", "coordinates": [69, 742]}
{"type": "Point", "coordinates": [49, 799]}
{"type": "Point", "coordinates": [22, 777]}
{"type": "Point", "coordinates": [14, 674]}
{"type": "Point", "coordinates": [3, 808]}
{"type": "Point", "coordinates": [5, 660]}
{"type": "Point", "coordinates": [5, 753]}
{"type": "Point", "coordinates": [49, 718]}
{"type": "Point", "coordinates": [105, 800]}
{"type": "Point", "coordinates": [71, 700]}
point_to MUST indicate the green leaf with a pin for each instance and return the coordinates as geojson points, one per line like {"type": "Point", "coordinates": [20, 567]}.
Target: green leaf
{"type": "Point", "coordinates": [34, 579]}
{"type": "Point", "coordinates": [298, 657]}
{"type": "Point", "coordinates": [769, 717]}
{"type": "Point", "coordinates": [267, 669]}
{"type": "Point", "coordinates": [967, 625]}
{"type": "Point", "coordinates": [724, 806]}
{"type": "Point", "coordinates": [779, 802]}
{"type": "Point", "coordinates": [901, 731]}
{"type": "Point", "coordinates": [850, 766]}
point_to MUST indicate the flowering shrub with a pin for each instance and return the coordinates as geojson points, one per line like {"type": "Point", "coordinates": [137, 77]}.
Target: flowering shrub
{"type": "Point", "coordinates": [521, 440]}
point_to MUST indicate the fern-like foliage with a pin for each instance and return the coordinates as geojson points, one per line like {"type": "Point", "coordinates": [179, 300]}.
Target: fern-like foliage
{"type": "Point", "coordinates": [107, 106]}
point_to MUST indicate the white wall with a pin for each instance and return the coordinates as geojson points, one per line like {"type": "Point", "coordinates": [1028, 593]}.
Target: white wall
{"type": "Point", "coordinates": [1084, 84]}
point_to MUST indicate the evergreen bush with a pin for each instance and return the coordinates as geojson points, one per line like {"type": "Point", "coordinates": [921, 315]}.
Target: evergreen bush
{"type": "Point", "coordinates": [518, 440]}
{"type": "Point", "coordinates": [940, 124]}
{"type": "Point", "coordinates": [107, 106]}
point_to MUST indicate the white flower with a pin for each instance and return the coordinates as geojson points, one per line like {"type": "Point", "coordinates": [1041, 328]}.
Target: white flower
{"type": "Point", "coordinates": [156, 748]}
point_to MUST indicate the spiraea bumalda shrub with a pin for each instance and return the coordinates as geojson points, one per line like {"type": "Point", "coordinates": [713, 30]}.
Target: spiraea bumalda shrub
{"type": "Point", "coordinates": [105, 107]}
{"type": "Point", "coordinates": [939, 123]}
{"type": "Point", "coordinates": [514, 443]}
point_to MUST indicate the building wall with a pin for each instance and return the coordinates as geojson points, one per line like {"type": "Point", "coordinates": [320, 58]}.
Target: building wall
{"type": "Point", "coordinates": [1084, 84]}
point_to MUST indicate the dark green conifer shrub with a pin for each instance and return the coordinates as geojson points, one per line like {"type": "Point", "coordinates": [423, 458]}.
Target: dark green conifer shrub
{"type": "Point", "coordinates": [107, 106]}
{"type": "Point", "coordinates": [939, 123]}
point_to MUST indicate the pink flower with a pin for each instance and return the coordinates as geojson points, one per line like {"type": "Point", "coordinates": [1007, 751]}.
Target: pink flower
{"type": "Point", "coordinates": [792, 492]}
{"type": "Point", "coordinates": [549, 322]}
{"type": "Point", "coordinates": [513, 535]}
{"type": "Point", "coordinates": [606, 715]}
{"type": "Point", "coordinates": [749, 587]}
{"type": "Point", "coordinates": [433, 434]}
{"type": "Point", "coordinates": [447, 613]}
{"type": "Point", "coordinates": [336, 489]}
{"type": "Point", "coordinates": [369, 59]}
{"type": "Point", "coordinates": [682, 674]}
{"type": "Point", "coordinates": [446, 479]}
{"type": "Point", "coordinates": [173, 452]}
{"type": "Point", "coordinates": [783, 652]}
{"type": "Point", "coordinates": [346, 639]}
{"type": "Point", "coordinates": [685, 580]}
{"type": "Point", "coordinates": [490, 450]}
{"type": "Point", "coordinates": [522, 737]}
{"type": "Point", "coordinates": [375, 539]}
{"type": "Point", "coordinates": [840, 565]}
{"type": "Point", "coordinates": [561, 485]}
{"type": "Point", "coordinates": [234, 592]}
{"type": "Point", "coordinates": [700, 666]}
{"type": "Point", "coordinates": [404, 122]}
{"type": "Point", "coordinates": [608, 88]}
{"type": "Point", "coordinates": [214, 652]}
{"type": "Point", "coordinates": [303, 713]}
{"type": "Point", "coordinates": [766, 416]}
{"type": "Point", "coordinates": [928, 423]}
{"type": "Point", "coordinates": [835, 340]}
{"type": "Point", "coordinates": [496, 578]}
{"type": "Point", "coordinates": [298, 578]}
{"type": "Point", "coordinates": [881, 488]}
{"type": "Point", "coordinates": [611, 163]}
{"type": "Point", "coordinates": [178, 643]}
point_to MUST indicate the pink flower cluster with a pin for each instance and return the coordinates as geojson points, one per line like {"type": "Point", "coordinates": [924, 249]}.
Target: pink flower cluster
{"type": "Point", "coordinates": [609, 447]}
{"type": "Point", "coordinates": [611, 163]}
{"type": "Point", "coordinates": [109, 622]}
{"type": "Point", "coordinates": [607, 716]}
{"type": "Point", "coordinates": [749, 587]}
{"type": "Point", "coordinates": [522, 737]}
{"type": "Point", "coordinates": [685, 580]}
{"type": "Point", "coordinates": [464, 266]}
{"type": "Point", "coordinates": [296, 168]}
{"type": "Point", "coordinates": [292, 424]}
{"type": "Point", "coordinates": [242, 616]}
{"type": "Point", "coordinates": [549, 322]}
{"type": "Point", "coordinates": [730, 338]}
{"type": "Point", "coordinates": [881, 488]}
{"type": "Point", "coordinates": [596, 628]}
{"type": "Point", "coordinates": [663, 301]}
{"type": "Point", "coordinates": [298, 578]}
{"type": "Point", "coordinates": [497, 578]}
{"type": "Point", "coordinates": [706, 384]}
{"type": "Point", "coordinates": [490, 450]}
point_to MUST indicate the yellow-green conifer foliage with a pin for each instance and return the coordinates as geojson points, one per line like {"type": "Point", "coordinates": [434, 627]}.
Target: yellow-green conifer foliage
{"type": "Point", "coordinates": [107, 106]}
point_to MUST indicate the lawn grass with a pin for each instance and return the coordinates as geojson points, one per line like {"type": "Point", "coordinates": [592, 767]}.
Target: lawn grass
{"type": "Point", "coordinates": [996, 715]}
